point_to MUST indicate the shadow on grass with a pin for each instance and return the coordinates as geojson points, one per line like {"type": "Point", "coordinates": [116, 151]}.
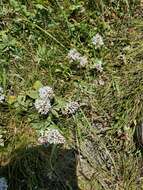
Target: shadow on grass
{"type": "Point", "coordinates": [41, 168]}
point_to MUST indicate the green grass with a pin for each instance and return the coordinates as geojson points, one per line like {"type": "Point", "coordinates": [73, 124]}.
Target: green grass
{"type": "Point", "coordinates": [35, 38]}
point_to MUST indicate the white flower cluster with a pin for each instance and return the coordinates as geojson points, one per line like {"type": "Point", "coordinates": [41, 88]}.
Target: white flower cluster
{"type": "Point", "coordinates": [46, 92]}
{"type": "Point", "coordinates": [71, 108]}
{"type": "Point", "coordinates": [51, 136]}
{"type": "Point", "coordinates": [83, 61]}
{"type": "Point", "coordinates": [3, 184]}
{"type": "Point", "coordinates": [43, 104]}
{"type": "Point", "coordinates": [74, 55]}
{"type": "Point", "coordinates": [1, 140]}
{"type": "Point", "coordinates": [99, 67]}
{"type": "Point", "coordinates": [2, 97]}
{"type": "Point", "coordinates": [97, 40]}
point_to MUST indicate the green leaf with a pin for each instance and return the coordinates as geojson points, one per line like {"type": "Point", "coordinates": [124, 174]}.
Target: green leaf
{"type": "Point", "coordinates": [32, 94]}
{"type": "Point", "coordinates": [21, 99]}
{"type": "Point", "coordinates": [55, 113]}
{"type": "Point", "coordinates": [11, 99]}
{"type": "Point", "coordinates": [60, 103]}
{"type": "Point", "coordinates": [42, 125]}
{"type": "Point", "coordinates": [37, 85]}
{"type": "Point", "coordinates": [15, 4]}
{"type": "Point", "coordinates": [39, 6]}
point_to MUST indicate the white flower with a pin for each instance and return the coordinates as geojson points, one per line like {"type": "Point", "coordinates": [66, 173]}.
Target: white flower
{"type": "Point", "coordinates": [1, 90]}
{"type": "Point", "coordinates": [82, 9]}
{"type": "Point", "coordinates": [43, 106]}
{"type": "Point", "coordinates": [51, 136]}
{"type": "Point", "coordinates": [1, 140]}
{"type": "Point", "coordinates": [97, 40]}
{"type": "Point", "coordinates": [46, 92]}
{"type": "Point", "coordinates": [3, 184]}
{"type": "Point", "coordinates": [101, 82]}
{"type": "Point", "coordinates": [83, 61]}
{"type": "Point", "coordinates": [74, 55]}
{"type": "Point", "coordinates": [99, 67]}
{"type": "Point", "coordinates": [71, 108]}
{"type": "Point", "coordinates": [2, 97]}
